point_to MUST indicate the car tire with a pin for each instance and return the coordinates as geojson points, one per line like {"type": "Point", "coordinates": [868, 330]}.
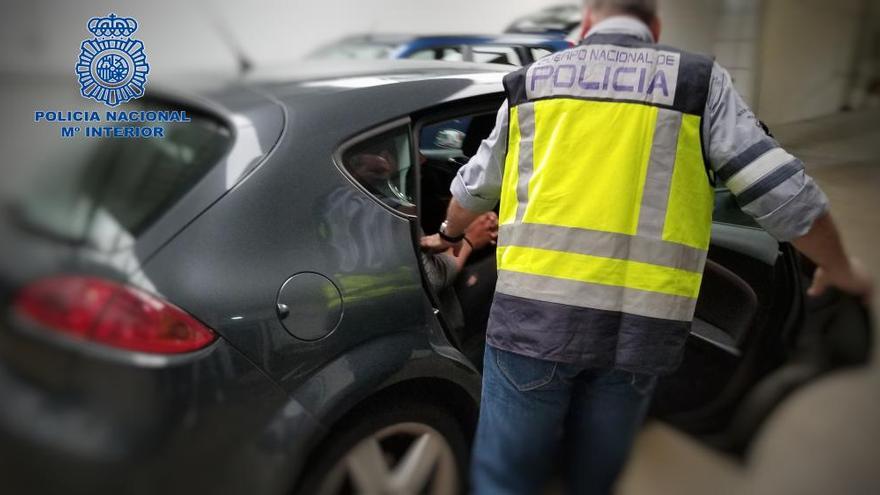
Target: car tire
{"type": "Point", "coordinates": [387, 448]}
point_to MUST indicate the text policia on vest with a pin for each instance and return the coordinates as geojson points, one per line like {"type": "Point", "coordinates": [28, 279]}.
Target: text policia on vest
{"type": "Point", "coordinates": [604, 71]}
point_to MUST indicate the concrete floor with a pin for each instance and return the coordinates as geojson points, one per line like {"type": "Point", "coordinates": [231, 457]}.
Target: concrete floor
{"type": "Point", "coordinates": [826, 438]}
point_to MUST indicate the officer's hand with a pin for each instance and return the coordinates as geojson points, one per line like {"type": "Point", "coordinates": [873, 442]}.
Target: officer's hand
{"type": "Point", "coordinates": [855, 281]}
{"type": "Point", "coordinates": [436, 244]}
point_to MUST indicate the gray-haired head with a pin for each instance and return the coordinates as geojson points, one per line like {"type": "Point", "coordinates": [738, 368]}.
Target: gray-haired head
{"type": "Point", "coordinates": [646, 10]}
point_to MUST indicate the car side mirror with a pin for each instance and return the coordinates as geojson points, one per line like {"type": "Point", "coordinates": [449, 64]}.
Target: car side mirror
{"type": "Point", "coordinates": [449, 139]}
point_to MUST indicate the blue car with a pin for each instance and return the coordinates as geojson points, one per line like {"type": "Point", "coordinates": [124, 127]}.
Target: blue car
{"type": "Point", "coordinates": [510, 49]}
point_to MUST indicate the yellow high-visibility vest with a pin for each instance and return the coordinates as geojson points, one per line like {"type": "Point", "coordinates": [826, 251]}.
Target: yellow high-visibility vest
{"type": "Point", "coordinates": [606, 202]}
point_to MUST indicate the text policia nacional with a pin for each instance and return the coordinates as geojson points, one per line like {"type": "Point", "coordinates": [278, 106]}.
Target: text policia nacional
{"type": "Point", "coordinates": [111, 123]}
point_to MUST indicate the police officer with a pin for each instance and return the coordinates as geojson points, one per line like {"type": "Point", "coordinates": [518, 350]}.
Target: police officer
{"type": "Point", "coordinates": [603, 159]}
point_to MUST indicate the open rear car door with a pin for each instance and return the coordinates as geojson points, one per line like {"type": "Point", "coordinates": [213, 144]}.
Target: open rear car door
{"type": "Point", "coordinates": [756, 336]}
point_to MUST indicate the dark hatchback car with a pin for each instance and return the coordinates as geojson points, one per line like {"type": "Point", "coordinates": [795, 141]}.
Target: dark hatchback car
{"type": "Point", "coordinates": [241, 307]}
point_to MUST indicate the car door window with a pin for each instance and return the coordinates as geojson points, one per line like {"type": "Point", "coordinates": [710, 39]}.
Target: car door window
{"type": "Point", "coordinates": [447, 54]}
{"type": "Point", "coordinates": [539, 53]}
{"type": "Point", "coordinates": [451, 55]}
{"type": "Point", "coordinates": [444, 139]}
{"type": "Point", "coordinates": [444, 146]}
{"type": "Point", "coordinates": [423, 55]}
{"type": "Point", "coordinates": [382, 164]}
{"type": "Point", "coordinates": [494, 55]}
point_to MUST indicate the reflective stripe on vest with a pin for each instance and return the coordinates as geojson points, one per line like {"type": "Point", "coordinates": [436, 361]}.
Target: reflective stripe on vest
{"type": "Point", "coordinates": [605, 199]}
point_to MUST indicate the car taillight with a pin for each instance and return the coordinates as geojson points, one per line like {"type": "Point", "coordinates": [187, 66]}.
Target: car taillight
{"type": "Point", "coordinates": [110, 313]}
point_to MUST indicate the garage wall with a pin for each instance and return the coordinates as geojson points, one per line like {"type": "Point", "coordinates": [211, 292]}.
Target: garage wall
{"type": "Point", "coordinates": [737, 45]}
{"type": "Point", "coordinates": [42, 36]}
{"type": "Point", "coordinates": [690, 24]}
{"type": "Point", "coordinates": [866, 74]}
{"type": "Point", "coordinates": [728, 30]}
{"type": "Point", "coordinates": [807, 51]}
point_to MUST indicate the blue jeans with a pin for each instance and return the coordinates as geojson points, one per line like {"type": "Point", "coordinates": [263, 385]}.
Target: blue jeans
{"type": "Point", "coordinates": [536, 415]}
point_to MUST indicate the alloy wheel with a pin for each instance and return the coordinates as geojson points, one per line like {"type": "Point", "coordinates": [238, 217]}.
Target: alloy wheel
{"type": "Point", "coordinates": [400, 459]}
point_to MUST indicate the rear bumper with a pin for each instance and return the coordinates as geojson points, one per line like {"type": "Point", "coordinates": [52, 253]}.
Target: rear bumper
{"type": "Point", "coordinates": [76, 420]}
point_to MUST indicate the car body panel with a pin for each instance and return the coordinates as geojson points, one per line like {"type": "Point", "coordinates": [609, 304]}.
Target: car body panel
{"type": "Point", "coordinates": [257, 123]}
{"type": "Point", "coordinates": [361, 371]}
{"type": "Point", "coordinates": [286, 219]}
{"type": "Point", "coordinates": [81, 419]}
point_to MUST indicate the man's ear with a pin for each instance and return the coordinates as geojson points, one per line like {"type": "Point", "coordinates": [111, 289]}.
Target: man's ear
{"type": "Point", "coordinates": [655, 26]}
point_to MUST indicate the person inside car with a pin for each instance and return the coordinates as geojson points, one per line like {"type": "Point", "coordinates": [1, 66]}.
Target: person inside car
{"type": "Point", "coordinates": [443, 268]}
{"type": "Point", "coordinates": [377, 168]}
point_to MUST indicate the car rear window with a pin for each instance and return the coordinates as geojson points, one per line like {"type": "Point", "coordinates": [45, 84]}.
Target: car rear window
{"type": "Point", "coordinates": [96, 186]}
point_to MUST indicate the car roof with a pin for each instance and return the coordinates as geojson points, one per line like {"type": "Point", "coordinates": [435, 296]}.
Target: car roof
{"type": "Point", "coordinates": [312, 79]}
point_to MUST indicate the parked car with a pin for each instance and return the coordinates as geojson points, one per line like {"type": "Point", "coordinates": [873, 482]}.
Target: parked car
{"type": "Point", "coordinates": [506, 49]}
{"type": "Point", "coordinates": [241, 307]}
{"type": "Point", "coordinates": [563, 20]}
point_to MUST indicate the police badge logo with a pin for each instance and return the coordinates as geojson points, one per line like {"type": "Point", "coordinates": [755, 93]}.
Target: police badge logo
{"type": "Point", "coordinates": [112, 67]}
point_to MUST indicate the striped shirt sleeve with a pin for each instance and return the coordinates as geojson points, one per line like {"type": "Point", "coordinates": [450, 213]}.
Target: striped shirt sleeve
{"type": "Point", "coordinates": [769, 183]}
{"type": "Point", "coordinates": [477, 186]}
